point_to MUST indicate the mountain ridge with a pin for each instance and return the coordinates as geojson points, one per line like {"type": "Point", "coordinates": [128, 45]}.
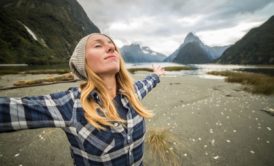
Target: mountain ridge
{"type": "Point", "coordinates": [41, 32]}
{"type": "Point", "coordinates": [256, 47]}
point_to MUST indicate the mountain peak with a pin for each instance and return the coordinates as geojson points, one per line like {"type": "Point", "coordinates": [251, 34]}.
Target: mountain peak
{"type": "Point", "coordinates": [196, 48]}
{"type": "Point", "coordinates": [191, 37]}
{"type": "Point", "coordinates": [190, 34]}
{"type": "Point", "coordinates": [135, 45]}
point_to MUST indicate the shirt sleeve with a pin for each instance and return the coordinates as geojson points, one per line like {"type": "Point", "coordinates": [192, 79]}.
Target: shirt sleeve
{"type": "Point", "coordinates": [52, 110]}
{"type": "Point", "coordinates": [143, 87]}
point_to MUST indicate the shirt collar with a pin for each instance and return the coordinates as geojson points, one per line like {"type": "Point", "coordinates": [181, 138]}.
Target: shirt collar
{"type": "Point", "coordinates": [94, 95]}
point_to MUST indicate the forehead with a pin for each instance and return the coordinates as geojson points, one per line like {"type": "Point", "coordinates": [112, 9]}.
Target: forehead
{"type": "Point", "coordinates": [98, 37]}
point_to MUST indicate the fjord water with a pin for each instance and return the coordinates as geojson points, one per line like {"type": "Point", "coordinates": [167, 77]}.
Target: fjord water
{"type": "Point", "coordinates": [202, 69]}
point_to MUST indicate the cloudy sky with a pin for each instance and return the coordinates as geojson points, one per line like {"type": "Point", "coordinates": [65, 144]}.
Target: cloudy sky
{"type": "Point", "coordinates": [163, 24]}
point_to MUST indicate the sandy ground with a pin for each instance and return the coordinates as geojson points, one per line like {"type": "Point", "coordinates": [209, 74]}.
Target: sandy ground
{"type": "Point", "coordinates": [216, 122]}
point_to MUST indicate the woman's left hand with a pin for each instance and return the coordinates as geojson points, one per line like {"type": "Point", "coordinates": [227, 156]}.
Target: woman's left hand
{"type": "Point", "coordinates": [158, 70]}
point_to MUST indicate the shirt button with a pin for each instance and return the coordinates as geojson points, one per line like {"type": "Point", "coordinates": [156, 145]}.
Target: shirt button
{"type": "Point", "coordinates": [128, 137]}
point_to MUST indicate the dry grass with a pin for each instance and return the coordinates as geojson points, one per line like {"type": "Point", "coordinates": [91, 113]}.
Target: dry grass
{"type": "Point", "coordinates": [133, 70]}
{"type": "Point", "coordinates": [163, 147]}
{"type": "Point", "coordinates": [40, 71]}
{"type": "Point", "coordinates": [254, 83]}
{"type": "Point", "coordinates": [63, 71]}
{"type": "Point", "coordinates": [63, 77]}
{"type": "Point", "coordinates": [168, 68]}
{"type": "Point", "coordinates": [47, 71]}
{"type": "Point", "coordinates": [178, 68]}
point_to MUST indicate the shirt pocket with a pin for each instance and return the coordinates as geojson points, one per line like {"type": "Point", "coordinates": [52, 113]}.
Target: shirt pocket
{"type": "Point", "coordinates": [139, 129]}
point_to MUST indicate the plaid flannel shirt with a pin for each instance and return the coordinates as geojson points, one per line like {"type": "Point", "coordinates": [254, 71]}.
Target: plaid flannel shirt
{"type": "Point", "coordinates": [115, 146]}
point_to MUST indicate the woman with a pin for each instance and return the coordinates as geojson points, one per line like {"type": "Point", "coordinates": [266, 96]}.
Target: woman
{"type": "Point", "coordinates": [103, 118]}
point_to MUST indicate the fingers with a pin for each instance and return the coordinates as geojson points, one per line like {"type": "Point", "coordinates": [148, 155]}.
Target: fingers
{"type": "Point", "coordinates": [158, 69]}
{"type": "Point", "coordinates": [154, 67]}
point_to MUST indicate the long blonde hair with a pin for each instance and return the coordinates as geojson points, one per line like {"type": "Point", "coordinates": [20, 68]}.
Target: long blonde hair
{"type": "Point", "coordinates": [94, 82]}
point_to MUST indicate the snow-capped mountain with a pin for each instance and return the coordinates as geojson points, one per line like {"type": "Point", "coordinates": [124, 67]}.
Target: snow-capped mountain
{"type": "Point", "coordinates": [135, 53]}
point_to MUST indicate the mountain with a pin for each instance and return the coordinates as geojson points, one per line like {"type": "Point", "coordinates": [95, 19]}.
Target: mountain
{"type": "Point", "coordinates": [41, 31]}
{"type": "Point", "coordinates": [194, 51]}
{"type": "Point", "coordinates": [256, 47]}
{"type": "Point", "coordinates": [134, 53]}
{"type": "Point", "coordinates": [219, 50]}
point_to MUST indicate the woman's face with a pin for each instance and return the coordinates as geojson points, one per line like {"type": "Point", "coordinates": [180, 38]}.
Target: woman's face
{"type": "Point", "coordinates": [101, 55]}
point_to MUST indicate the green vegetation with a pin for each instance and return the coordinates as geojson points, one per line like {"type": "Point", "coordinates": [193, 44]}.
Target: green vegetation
{"type": "Point", "coordinates": [254, 83]}
{"type": "Point", "coordinates": [57, 25]}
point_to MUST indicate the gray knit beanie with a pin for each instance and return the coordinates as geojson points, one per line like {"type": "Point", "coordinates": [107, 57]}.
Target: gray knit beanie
{"type": "Point", "coordinates": [77, 60]}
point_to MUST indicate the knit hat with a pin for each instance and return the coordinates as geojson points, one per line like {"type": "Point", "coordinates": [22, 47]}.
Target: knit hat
{"type": "Point", "coordinates": [77, 60]}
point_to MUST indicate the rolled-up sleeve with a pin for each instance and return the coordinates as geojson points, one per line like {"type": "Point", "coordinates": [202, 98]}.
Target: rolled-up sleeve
{"type": "Point", "coordinates": [53, 110]}
{"type": "Point", "coordinates": [143, 87]}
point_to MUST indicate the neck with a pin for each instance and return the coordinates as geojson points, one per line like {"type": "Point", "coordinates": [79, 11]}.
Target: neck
{"type": "Point", "coordinates": [110, 83]}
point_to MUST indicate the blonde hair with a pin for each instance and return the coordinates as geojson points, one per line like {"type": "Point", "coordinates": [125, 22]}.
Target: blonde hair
{"type": "Point", "coordinates": [94, 82]}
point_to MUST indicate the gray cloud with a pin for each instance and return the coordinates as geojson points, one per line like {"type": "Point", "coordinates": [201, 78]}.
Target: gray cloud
{"type": "Point", "coordinates": [170, 21]}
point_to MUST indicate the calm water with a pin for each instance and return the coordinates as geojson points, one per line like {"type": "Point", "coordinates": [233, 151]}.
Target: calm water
{"type": "Point", "coordinates": [199, 69]}
{"type": "Point", "coordinates": [202, 69]}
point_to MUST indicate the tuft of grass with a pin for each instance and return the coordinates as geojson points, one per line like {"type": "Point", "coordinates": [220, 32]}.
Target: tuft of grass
{"type": "Point", "coordinates": [163, 147]}
{"type": "Point", "coordinates": [63, 77]}
{"type": "Point", "coordinates": [253, 82]}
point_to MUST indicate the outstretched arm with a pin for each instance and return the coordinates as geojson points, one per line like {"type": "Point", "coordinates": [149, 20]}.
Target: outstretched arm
{"type": "Point", "coordinates": [143, 87]}
{"type": "Point", "coordinates": [53, 110]}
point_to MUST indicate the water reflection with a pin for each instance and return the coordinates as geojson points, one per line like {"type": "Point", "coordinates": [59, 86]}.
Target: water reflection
{"type": "Point", "coordinates": [202, 69]}
{"type": "Point", "coordinates": [198, 69]}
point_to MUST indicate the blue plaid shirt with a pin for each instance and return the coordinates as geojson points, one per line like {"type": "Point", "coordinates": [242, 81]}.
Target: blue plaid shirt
{"type": "Point", "coordinates": [117, 145]}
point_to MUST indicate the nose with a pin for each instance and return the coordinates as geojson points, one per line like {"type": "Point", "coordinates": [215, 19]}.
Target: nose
{"type": "Point", "coordinates": [110, 48]}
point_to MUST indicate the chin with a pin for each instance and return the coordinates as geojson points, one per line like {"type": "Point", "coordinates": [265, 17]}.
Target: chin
{"type": "Point", "coordinates": [114, 69]}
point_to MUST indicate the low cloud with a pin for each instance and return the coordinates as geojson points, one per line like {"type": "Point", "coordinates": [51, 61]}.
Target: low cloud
{"type": "Point", "coordinates": [162, 25]}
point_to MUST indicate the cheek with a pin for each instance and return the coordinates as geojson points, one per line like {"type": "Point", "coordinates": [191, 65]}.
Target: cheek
{"type": "Point", "coordinates": [94, 61]}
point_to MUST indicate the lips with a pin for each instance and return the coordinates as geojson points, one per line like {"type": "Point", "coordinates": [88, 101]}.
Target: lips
{"type": "Point", "coordinates": [110, 56]}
